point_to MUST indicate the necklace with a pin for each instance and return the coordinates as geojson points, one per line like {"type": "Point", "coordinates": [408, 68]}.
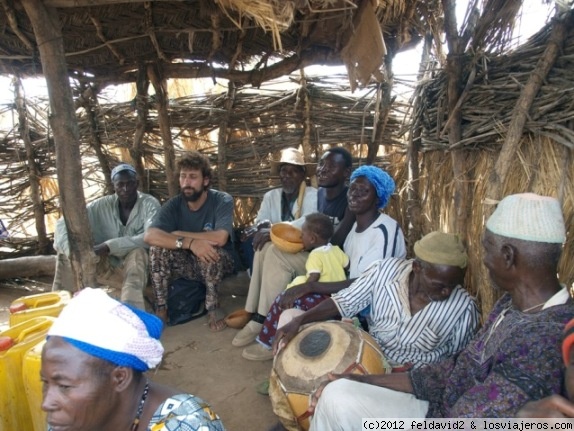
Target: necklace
{"type": "Point", "coordinates": [136, 422]}
{"type": "Point", "coordinates": [534, 307]}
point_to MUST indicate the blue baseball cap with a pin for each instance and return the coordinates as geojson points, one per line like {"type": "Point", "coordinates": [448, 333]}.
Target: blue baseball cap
{"type": "Point", "coordinates": [122, 167]}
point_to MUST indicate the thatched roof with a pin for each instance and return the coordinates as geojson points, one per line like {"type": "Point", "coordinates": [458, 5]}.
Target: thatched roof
{"type": "Point", "coordinates": [249, 41]}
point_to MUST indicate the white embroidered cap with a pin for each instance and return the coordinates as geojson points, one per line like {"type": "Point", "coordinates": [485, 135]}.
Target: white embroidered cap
{"type": "Point", "coordinates": [529, 217]}
{"type": "Point", "coordinates": [103, 327]}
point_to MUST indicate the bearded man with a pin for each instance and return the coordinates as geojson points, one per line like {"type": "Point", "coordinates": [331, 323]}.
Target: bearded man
{"type": "Point", "coordinates": [191, 238]}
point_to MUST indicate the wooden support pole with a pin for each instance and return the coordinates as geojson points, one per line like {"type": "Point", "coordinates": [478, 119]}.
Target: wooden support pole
{"type": "Point", "coordinates": [414, 207]}
{"type": "Point", "coordinates": [223, 138]}
{"type": "Point", "coordinates": [459, 222]}
{"type": "Point", "coordinates": [384, 106]}
{"type": "Point", "coordinates": [511, 144]}
{"type": "Point", "coordinates": [304, 112]}
{"type": "Point", "coordinates": [34, 172]}
{"type": "Point", "coordinates": [160, 85]}
{"type": "Point", "coordinates": [90, 104]}
{"type": "Point", "coordinates": [136, 152]}
{"type": "Point", "coordinates": [47, 30]}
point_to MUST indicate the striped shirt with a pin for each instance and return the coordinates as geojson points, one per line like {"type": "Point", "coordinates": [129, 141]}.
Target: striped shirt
{"type": "Point", "coordinates": [438, 331]}
{"type": "Point", "coordinates": [383, 238]}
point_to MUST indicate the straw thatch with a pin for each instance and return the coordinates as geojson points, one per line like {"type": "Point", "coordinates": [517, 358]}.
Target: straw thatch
{"type": "Point", "coordinates": [262, 123]}
{"type": "Point", "coordinates": [250, 41]}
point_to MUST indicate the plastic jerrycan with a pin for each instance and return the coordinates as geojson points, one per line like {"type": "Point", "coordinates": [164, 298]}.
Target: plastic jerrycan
{"type": "Point", "coordinates": [33, 385]}
{"type": "Point", "coordinates": [14, 343]}
{"type": "Point", "coordinates": [42, 304]}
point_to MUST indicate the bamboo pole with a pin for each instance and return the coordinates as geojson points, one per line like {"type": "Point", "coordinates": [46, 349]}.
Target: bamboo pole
{"type": "Point", "coordinates": [47, 30]}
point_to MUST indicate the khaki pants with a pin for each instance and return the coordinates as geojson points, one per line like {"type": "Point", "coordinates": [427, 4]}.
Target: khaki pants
{"type": "Point", "coordinates": [133, 270]}
{"type": "Point", "coordinates": [273, 270]}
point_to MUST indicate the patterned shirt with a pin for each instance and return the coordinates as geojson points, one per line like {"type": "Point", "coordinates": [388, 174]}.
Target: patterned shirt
{"type": "Point", "coordinates": [514, 358]}
{"type": "Point", "coordinates": [185, 412]}
{"type": "Point", "coordinates": [439, 330]}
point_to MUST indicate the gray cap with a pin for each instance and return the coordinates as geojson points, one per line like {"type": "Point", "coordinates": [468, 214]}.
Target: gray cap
{"type": "Point", "coordinates": [122, 167]}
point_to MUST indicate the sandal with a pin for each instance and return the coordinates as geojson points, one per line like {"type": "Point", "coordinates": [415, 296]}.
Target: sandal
{"type": "Point", "coordinates": [216, 320]}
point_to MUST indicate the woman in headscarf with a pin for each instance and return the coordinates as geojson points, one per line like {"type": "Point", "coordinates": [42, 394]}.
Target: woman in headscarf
{"type": "Point", "coordinates": [93, 366]}
{"type": "Point", "coordinates": [374, 236]}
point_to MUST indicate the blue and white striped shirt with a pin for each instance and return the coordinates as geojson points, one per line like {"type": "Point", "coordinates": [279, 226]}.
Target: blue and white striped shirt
{"type": "Point", "coordinates": [438, 331]}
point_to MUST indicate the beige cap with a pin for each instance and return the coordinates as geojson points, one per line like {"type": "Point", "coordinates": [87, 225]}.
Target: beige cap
{"type": "Point", "coordinates": [441, 248]}
{"type": "Point", "coordinates": [292, 156]}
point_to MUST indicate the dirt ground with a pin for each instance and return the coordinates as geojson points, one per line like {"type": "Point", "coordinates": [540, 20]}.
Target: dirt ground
{"type": "Point", "coordinates": [196, 360]}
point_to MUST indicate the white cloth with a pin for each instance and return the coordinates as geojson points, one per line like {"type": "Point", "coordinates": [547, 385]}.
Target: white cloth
{"type": "Point", "coordinates": [383, 238]}
{"type": "Point", "coordinates": [270, 208]}
{"type": "Point", "coordinates": [438, 331]}
{"type": "Point", "coordinates": [95, 318]}
{"type": "Point", "coordinates": [344, 403]}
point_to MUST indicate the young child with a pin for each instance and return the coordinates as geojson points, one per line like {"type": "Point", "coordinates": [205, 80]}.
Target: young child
{"type": "Point", "coordinates": [326, 262]}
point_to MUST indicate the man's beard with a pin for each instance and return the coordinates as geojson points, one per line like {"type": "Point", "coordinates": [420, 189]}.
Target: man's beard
{"type": "Point", "coordinates": [194, 197]}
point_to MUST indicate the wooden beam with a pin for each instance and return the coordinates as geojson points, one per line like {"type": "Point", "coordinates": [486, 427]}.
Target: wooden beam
{"type": "Point", "coordinates": [90, 3]}
{"type": "Point", "coordinates": [29, 266]}
{"type": "Point", "coordinates": [141, 102]}
{"type": "Point", "coordinates": [156, 77]}
{"type": "Point", "coordinates": [47, 30]}
{"type": "Point", "coordinates": [34, 171]}
{"type": "Point", "coordinates": [524, 103]}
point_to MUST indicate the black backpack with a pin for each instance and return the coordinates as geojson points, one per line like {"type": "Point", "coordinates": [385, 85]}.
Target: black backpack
{"type": "Point", "coordinates": [185, 301]}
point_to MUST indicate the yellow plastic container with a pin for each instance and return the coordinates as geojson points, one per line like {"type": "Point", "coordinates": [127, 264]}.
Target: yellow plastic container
{"type": "Point", "coordinates": [33, 385]}
{"type": "Point", "coordinates": [14, 410]}
{"type": "Point", "coordinates": [42, 304]}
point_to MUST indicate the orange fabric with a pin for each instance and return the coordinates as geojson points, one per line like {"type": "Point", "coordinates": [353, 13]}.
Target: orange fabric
{"type": "Point", "coordinates": [568, 342]}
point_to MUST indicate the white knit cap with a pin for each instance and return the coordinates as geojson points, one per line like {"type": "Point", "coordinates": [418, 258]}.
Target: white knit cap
{"type": "Point", "coordinates": [103, 327]}
{"type": "Point", "coordinates": [529, 217]}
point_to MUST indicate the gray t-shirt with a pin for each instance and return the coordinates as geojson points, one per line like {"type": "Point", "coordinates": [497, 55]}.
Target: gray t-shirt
{"type": "Point", "coordinates": [215, 214]}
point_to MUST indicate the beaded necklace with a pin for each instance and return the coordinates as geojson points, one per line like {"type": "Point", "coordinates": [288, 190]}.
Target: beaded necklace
{"type": "Point", "coordinates": [136, 422]}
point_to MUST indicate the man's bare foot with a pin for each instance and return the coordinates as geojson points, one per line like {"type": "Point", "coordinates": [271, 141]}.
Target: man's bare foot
{"type": "Point", "coordinates": [162, 314]}
{"type": "Point", "coordinates": [216, 319]}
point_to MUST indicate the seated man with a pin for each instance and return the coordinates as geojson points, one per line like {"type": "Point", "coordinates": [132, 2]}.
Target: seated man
{"type": "Point", "coordinates": [419, 313]}
{"type": "Point", "coordinates": [557, 406]}
{"type": "Point", "coordinates": [118, 223]}
{"type": "Point", "coordinates": [191, 238]}
{"type": "Point", "coordinates": [273, 269]}
{"type": "Point", "coordinates": [292, 201]}
{"type": "Point", "coordinates": [514, 358]}
{"type": "Point", "coordinates": [93, 366]}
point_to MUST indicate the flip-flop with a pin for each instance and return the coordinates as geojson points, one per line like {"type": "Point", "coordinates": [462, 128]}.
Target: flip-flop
{"type": "Point", "coordinates": [216, 317]}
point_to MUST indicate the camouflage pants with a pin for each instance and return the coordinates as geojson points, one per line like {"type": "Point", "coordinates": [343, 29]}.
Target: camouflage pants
{"type": "Point", "coordinates": [133, 270]}
{"type": "Point", "coordinates": [168, 265]}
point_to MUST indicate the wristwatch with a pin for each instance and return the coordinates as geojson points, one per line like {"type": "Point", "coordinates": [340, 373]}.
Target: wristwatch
{"type": "Point", "coordinates": [179, 242]}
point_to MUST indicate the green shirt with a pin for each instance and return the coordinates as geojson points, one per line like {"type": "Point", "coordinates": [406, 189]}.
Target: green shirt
{"type": "Point", "coordinates": [106, 226]}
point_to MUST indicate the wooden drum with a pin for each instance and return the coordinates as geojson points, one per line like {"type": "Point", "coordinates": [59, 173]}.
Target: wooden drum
{"type": "Point", "coordinates": [304, 363]}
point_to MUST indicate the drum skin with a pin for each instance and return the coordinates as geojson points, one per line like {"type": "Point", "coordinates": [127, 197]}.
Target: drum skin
{"type": "Point", "coordinates": [319, 349]}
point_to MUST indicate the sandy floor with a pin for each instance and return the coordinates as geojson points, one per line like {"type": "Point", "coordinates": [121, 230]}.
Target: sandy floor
{"type": "Point", "coordinates": [199, 361]}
